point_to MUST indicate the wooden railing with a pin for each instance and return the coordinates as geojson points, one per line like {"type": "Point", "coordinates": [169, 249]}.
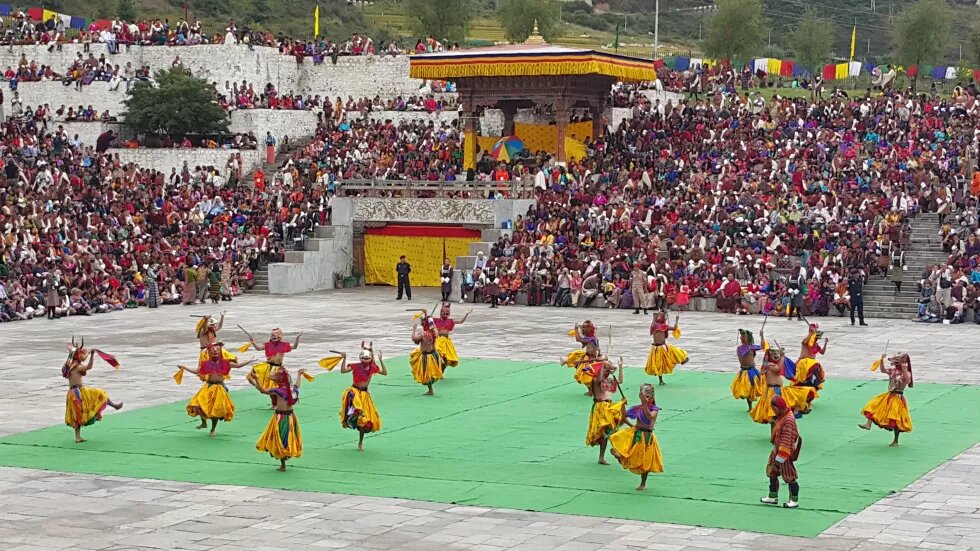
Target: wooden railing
{"type": "Point", "coordinates": [460, 189]}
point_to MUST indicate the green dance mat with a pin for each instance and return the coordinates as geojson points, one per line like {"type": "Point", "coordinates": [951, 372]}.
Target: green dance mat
{"type": "Point", "coordinates": [512, 435]}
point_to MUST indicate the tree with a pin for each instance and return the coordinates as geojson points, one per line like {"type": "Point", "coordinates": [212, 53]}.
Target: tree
{"type": "Point", "coordinates": [975, 39]}
{"type": "Point", "coordinates": [126, 10]}
{"type": "Point", "coordinates": [179, 104]}
{"type": "Point", "coordinates": [445, 20]}
{"type": "Point", "coordinates": [736, 30]}
{"type": "Point", "coordinates": [812, 40]}
{"type": "Point", "coordinates": [921, 33]}
{"type": "Point", "coordinates": [517, 17]}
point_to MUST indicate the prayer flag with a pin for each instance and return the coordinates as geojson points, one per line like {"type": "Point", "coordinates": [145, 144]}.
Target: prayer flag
{"type": "Point", "coordinates": [77, 22]}
{"type": "Point", "coordinates": [316, 21]}
{"type": "Point", "coordinates": [6, 9]}
{"type": "Point", "coordinates": [828, 72]}
{"type": "Point", "coordinates": [939, 72]}
{"type": "Point", "coordinates": [841, 71]}
{"type": "Point", "coordinates": [951, 73]}
{"type": "Point", "coordinates": [912, 70]}
{"type": "Point", "coordinates": [854, 34]}
{"type": "Point", "coordinates": [108, 358]}
{"type": "Point", "coordinates": [773, 66]}
{"type": "Point", "coordinates": [786, 68]}
{"type": "Point", "coordinates": [683, 63]}
{"type": "Point", "coordinates": [36, 14]}
{"type": "Point", "coordinates": [854, 68]}
{"type": "Point", "coordinates": [48, 14]}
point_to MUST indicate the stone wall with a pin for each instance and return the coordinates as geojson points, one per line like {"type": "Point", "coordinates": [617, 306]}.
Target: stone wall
{"type": "Point", "coordinates": [166, 159]}
{"type": "Point", "coordinates": [351, 76]}
{"type": "Point", "coordinates": [313, 268]}
{"type": "Point", "coordinates": [87, 132]}
{"type": "Point", "coordinates": [295, 124]}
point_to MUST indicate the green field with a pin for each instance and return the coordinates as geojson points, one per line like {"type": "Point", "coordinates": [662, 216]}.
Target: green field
{"type": "Point", "coordinates": [511, 435]}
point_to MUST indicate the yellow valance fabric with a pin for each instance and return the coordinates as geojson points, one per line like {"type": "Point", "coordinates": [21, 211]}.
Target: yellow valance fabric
{"type": "Point", "coordinates": [487, 65]}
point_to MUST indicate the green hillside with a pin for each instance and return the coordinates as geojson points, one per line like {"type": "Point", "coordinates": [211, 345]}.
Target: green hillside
{"type": "Point", "coordinates": [681, 21]}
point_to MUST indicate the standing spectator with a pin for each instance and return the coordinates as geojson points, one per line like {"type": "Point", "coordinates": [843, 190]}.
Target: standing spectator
{"type": "Point", "coordinates": [897, 268]}
{"type": "Point", "coordinates": [855, 288]}
{"type": "Point", "coordinates": [944, 287]}
{"type": "Point", "coordinates": [446, 279]}
{"type": "Point", "coordinates": [403, 269]}
{"type": "Point", "coordinates": [202, 284]}
{"type": "Point", "coordinates": [638, 285]}
{"type": "Point", "coordinates": [270, 148]}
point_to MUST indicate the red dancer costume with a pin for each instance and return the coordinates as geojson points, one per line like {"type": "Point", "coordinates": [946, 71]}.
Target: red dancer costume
{"type": "Point", "coordinates": [786, 443]}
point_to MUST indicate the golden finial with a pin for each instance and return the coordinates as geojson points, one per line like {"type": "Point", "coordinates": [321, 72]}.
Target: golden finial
{"type": "Point", "coordinates": [535, 37]}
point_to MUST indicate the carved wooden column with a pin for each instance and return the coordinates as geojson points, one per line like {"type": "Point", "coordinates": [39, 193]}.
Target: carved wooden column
{"type": "Point", "coordinates": [469, 134]}
{"type": "Point", "coordinates": [561, 121]}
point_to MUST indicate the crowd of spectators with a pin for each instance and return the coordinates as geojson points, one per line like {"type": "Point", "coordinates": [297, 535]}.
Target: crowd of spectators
{"type": "Point", "coordinates": [84, 233]}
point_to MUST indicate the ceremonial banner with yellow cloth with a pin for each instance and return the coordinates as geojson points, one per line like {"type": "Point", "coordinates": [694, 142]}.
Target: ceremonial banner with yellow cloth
{"type": "Point", "coordinates": [840, 71]}
{"type": "Point", "coordinates": [424, 247]}
{"type": "Point", "coordinates": [544, 137]}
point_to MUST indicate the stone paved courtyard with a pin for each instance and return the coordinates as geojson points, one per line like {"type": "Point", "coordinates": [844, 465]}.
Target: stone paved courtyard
{"type": "Point", "coordinates": [50, 510]}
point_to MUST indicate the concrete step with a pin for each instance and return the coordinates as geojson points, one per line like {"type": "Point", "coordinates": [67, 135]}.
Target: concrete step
{"type": "Point", "coordinates": [480, 246]}
{"type": "Point", "coordinates": [294, 256]}
{"type": "Point", "coordinates": [492, 235]}
{"type": "Point", "coordinates": [323, 232]}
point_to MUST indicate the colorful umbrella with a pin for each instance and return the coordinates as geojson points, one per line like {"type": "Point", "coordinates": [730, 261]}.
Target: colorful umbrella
{"type": "Point", "coordinates": [507, 148]}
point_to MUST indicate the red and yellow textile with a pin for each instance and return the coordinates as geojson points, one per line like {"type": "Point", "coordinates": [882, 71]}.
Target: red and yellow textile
{"type": "Point", "coordinates": [889, 411]}
{"type": "Point", "coordinates": [357, 410]}
{"type": "Point", "coordinates": [281, 438]}
{"type": "Point", "coordinates": [212, 402]}
{"type": "Point", "coordinates": [203, 356]}
{"type": "Point", "coordinates": [785, 437]}
{"type": "Point", "coordinates": [528, 60]}
{"type": "Point", "coordinates": [425, 247]}
{"type": "Point", "coordinates": [586, 372]}
{"type": "Point", "coordinates": [637, 450]}
{"type": "Point", "coordinates": [84, 405]}
{"type": "Point", "coordinates": [605, 418]}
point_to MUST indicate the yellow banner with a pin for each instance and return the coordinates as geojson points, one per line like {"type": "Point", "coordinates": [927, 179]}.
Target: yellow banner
{"type": "Point", "coordinates": [381, 254]}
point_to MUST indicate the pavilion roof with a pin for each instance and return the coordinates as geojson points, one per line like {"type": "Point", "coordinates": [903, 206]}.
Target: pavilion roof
{"type": "Point", "coordinates": [534, 58]}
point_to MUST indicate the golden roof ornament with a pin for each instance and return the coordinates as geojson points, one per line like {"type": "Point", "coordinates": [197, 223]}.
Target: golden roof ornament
{"type": "Point", "coordinates": [535, 37]}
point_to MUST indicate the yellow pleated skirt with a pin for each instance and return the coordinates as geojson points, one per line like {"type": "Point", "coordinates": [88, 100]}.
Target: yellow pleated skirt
{"type": "Point", "coordinates": [585, 373]}
{"type": "Point", "coordinates": [447, 351]}
{"type": "Point", "coordinates": [357, 411]}
{"type": "Point", "coordinates": [799, 398]}
{"type": "Point", "coordinates": [84, 405]}
{"type": "Point", "coordinates": [281, 438]}
{"type": "Point", "coordinates": [262, 375]}
{"type": "Point", "coordinates": [575, 356]}
{"type": "Point", "coordinates": [748, 385]}
{"type": "Point", "coordinates": [762, 411]}
{"type": "Point", "coordinates": [203, 356]}
{"type": "Point", "coordinates": [604, 419]}
{"type": "Point", "coordinates": [889, 411]}
{"type": "Point", "coordinates": [637, 451]}
{"type": "Point", "coordinates": [662, 359]}
{"type": "Point", "coordinates": [213, 402]}
{"type": "Point", "coordinates": [426, 367]}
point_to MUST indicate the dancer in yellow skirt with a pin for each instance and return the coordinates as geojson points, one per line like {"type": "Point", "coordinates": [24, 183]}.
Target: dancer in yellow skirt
{"type": "Point", "coordinates": [83, 404]}
{"type": "Point", "coordinates": [807, 378]}
{"type": "Point", "coordinates": [774, 367]}
{"type": "Point", "coordinates": [281, 437]}
{"type": "Point", "coordinates": [635, 446]}
{"type": "Point", "coordinates": [275, 351]}
{"type": "Point", "coordinates": [890, 411]}
{"type": "Point", "coordinates": [212, 401]}
{"type": "Point", "coordinates": [748, 384]}
{"type": "Point", "coordinates": [585, 335]}
{"type": "Point", "coordinates": [606, 416]}
{"type": "Point", "coordinates": [444, 343]}
{"type": "Point", "coordinates": [664, 357]}
{"type": "Point", "coordinates": [427, 365]}
{"type": "Point", "coordinates": [357, 409]}
{"type": "Point", "coordinates": [207, 334]}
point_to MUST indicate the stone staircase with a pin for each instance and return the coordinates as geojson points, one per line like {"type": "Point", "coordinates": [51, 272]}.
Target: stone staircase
{"type": "Point", "coordinates": [488, 238]}
{"type": "Point", "coordinates": [261, 277]}
{"type": "Point", "coordinates": [313, 267]}
{"type": "Point", "coordinates": [925, 249]}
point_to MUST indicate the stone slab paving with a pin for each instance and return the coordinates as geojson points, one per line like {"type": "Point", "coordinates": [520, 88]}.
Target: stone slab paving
{"type": "Point", "coordinates": [46, 510]}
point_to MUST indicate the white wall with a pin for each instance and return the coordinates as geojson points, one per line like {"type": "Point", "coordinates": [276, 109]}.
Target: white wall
{"type": "Point", "coordinates": [294, 124]}
{"type": "Point", "coordinates": [165, 159]}
{"type": "Point", "coordinates": [313, 269]}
